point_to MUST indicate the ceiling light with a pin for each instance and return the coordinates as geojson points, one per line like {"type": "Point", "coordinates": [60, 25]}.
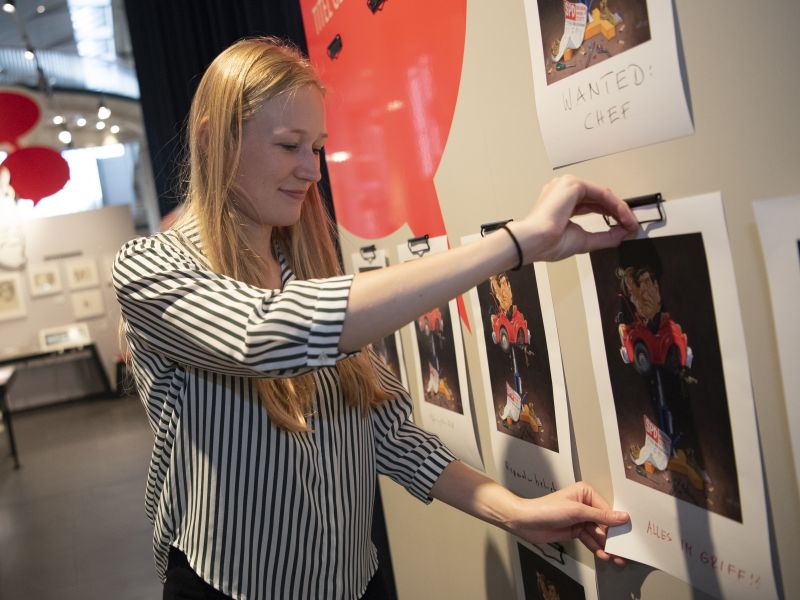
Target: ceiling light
{"type": "Point", "coordinates": [80, 122]}
{"type": "Point", "coordinates": [114, 129]}
{"type": "Point", "coordinates": [103, 112]}
{"type": "Point", "coordinates": [40, 9]}
{"type": "Point", "coordinates": [29, 54]}
{"type": "Point", "coordinates": [58, 120]}
{"type": "Point", "coordinates": [101, 125]}
{"type": "Point", "coordinates": [64, 136]}
{"type": "Point", "coordinates": [8, 6]}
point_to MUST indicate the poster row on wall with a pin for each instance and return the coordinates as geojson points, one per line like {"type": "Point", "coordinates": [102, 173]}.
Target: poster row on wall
{"type": "Point", "coordinates": [44, 279]}
{"type": "Point", "coordinates": [671, 368]}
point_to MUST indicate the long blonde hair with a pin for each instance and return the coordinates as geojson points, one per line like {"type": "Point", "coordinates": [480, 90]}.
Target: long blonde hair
{"type": "Point", "coordinates": [233, 88]}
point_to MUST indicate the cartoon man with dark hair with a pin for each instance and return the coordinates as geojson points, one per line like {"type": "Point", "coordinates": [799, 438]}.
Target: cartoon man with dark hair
{"type": "Point", "coordinates": [658, 349]}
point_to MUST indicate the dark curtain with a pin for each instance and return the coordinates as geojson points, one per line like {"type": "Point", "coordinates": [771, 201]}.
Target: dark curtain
{"type": "Point", "coordinates": [173, 42]}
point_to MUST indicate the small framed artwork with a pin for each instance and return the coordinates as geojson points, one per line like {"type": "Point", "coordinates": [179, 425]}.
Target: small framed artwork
{"type": "Point", "coordinates": [12, 304]}
{"type": "Point", "coordinates": [87, 304]}
{"type": "Point", "coordinates": [44, 279]}
{"type": "Point", "coordinates": [82, 273]}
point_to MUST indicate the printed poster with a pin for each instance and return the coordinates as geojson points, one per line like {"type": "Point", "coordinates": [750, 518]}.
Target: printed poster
{"type": "Point", "coordinates": [390, 348]}
{"type": "Point", "coordinates": [673, 382]}
{"type": "Point", "coordinates": [778, 222]}
{"type": "Point", "coordinates": [438, 353]}
{"type": "Point", "coordinates": [546, 572]}
{"type": "Point", "coordinates": [522, 380]}
{"type": "Point", "coordinates": [606, 76]}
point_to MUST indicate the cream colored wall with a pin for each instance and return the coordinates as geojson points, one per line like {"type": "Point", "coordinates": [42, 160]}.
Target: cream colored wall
{"type": "Point", "coordinates": [741, 61]}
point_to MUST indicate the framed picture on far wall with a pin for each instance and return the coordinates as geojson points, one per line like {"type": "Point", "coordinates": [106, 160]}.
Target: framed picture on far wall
{"type": "Point", "coordinates": [88, 304]}
{"type": "Point", "coordinates": [82, 273]}
{"type": "Point", "coordinates": [44, 279]}
{"type": "Point", "coordinates": [12, 303]}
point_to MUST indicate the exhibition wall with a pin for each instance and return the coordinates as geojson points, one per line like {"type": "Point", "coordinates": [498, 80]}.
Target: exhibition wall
{"type": "Point", "coordinates": [741, 82]}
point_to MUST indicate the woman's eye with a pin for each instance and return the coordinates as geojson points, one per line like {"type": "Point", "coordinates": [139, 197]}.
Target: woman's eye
{"type": "Point", "coordinates": [319, 150]}
{"type": "Point", "coordinates": [289, 147]}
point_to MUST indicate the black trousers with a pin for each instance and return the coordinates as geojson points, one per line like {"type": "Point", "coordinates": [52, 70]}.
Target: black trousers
{"type": "Point", "coordinates": [184, 584]}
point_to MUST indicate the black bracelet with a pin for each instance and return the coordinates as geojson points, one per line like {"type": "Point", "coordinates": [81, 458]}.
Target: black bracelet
{"type": "Point", "coordinates": [516, 244]}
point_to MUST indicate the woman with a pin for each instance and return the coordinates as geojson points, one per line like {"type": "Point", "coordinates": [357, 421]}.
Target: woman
{"type": "Point", "coordinates": [270, 422]}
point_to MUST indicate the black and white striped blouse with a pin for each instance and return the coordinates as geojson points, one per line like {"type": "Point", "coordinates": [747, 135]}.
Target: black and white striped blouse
{"type": "Point", "coordinates": [259, 512]}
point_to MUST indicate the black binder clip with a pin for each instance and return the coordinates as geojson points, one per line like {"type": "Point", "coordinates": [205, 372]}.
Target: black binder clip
{"type": "Point", "coordinates": [335, 47]}
{"type": "Point", "coordinates": [368, 253]}
{"type": "Point", "coordinates": [419, 246]}
{"type": "Point", "coordinates": [375, 5]}
{"type": "Point", "coordinates": [558, 556]}
{"type": "Point", "coordinates": [640, 201]}
{"type": "Point", "coordinates": [490, 227]}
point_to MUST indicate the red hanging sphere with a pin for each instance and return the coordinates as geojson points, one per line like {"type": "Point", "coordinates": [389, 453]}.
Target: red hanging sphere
{"type": "Point", "coordinates": [18, 115]}
{"type": "Point", "coordinates": [36, 172]}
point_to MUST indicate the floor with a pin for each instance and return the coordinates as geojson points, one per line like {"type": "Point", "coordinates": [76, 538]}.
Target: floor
{"type": "Point", "coordinates": [72, 522]}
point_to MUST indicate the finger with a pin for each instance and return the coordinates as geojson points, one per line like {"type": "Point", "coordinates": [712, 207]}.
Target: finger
{"type": "Point", "coordinates": [601, 516]}
{"type": "Point", "coordinates": [609, 203]}
{"type": "Point", "coordinates": [605, 239]}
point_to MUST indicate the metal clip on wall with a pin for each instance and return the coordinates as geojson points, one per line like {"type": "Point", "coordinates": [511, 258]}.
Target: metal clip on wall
{"type": "Point", "coordinates": [419, 246]}
{"type": "Point", "coordinates": [368, 253]}
{"type": "Point", "coordinates": [639, 202]}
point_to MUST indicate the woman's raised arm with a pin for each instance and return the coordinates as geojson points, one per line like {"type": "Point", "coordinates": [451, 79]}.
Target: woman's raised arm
{"type": "Point", "coordinates": [384, 300]}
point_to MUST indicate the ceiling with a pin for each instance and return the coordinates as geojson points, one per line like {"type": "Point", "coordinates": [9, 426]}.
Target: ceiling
{"type": "Point", "coordinates": [98, 60]}
{"type": "Point", "coordinates": [75, 84]}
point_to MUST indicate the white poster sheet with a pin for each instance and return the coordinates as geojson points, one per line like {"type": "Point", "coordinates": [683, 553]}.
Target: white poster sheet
{"type": "Point", "coordinates": [390, 348]}
{"type": "Point", "coordinates": [438, 353]}
{"type": "Point", "coordinates": [778, 222]}
{"type": "Point", "coordinates": [673, 382]}
{"type": "Point", "coordinates": [522, 379]}
{"type": "Point", "coordinates": [606, 76]}
{"type": "Point", "coordinates": [546, 572]}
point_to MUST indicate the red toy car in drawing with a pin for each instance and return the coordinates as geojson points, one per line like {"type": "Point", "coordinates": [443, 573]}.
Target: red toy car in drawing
{"type": "Point", "coordinates": [506, 331]}
{"type": "Point", "coordinates": [431, 322]}
{"type": "Point", "coordinates": [667, 347]}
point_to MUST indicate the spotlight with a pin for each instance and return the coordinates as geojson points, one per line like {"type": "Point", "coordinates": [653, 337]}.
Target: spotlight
{"type": "Point", "coordinates": [64, 136]}
{"type": "Point", "coordinates": [80, 122]}
{"type": "Point", "coordinates": [40, 9]}
{"type": "Point", "coordinates": [114, 129]}
{"type": "Point", "coordinates": [29, 54]}
{"type": "Point", "coordinates": [101, 125]}
{"type": "Point", "coordinates": [103, 112]}
{"type": "Point", "coordinates": [9, 6]}
{"type": "Point", "coordinates": [58, 120]}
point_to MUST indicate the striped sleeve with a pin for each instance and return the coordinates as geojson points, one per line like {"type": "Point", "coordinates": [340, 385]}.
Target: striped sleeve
{"type": "Point", "coordinates": [407, 454]}
{"type": "Point", "coordinates": [180, 309]}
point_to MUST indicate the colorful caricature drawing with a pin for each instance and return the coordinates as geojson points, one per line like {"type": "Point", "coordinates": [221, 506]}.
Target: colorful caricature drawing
{"type": "Point", "coordinates": [510, 332]}
{"type": "Point", "coordinates": [656, 346]}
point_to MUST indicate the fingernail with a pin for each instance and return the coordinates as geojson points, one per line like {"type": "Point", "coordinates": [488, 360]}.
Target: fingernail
{"type": "Point", "coordinates": [618, 514]}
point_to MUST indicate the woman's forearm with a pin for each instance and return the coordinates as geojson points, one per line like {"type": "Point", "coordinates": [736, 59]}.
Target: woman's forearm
{"type": "Point", "coordinates": [383, 300]}
{"type": "Point", "coordinates": [477, 495]}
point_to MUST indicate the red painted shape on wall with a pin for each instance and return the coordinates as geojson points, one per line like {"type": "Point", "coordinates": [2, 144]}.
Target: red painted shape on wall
{"type": "Point", "coordinates": [36, 172]}
{"type": "Point", "coordinates": [392, 90]}
{"type": "Point", "coordinates": [18, 115]}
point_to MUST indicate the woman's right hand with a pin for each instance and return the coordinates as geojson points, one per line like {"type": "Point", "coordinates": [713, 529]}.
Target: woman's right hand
{"type": "Point", "coordinates": [547, 233]}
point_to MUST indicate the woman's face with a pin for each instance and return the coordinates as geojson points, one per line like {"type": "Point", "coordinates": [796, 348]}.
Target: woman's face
{"type": "Point", "coordinates": [281, 145]}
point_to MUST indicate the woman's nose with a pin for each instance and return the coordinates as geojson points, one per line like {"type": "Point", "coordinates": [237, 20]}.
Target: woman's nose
{"type": "Point", "coordinates": [308, 167]}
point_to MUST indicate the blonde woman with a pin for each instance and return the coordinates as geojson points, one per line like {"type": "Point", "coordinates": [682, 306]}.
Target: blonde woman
{"type": "Point", "coordinates": [270, 418]}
